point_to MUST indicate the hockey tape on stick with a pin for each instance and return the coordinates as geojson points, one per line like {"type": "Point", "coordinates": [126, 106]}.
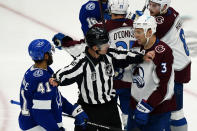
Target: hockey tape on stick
{"type": "Point", "coordinates": [98, 125]}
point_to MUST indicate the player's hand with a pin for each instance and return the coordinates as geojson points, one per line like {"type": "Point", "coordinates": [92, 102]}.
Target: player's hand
{"type": "Point", "coordinates": [135, 15]}
{"type": "Point", "coordinates": [53, 82]}
{"type": "Point", "coordinates": [60, 40]}
{"type": "Point", "coordinates": [141, 112]}
{"type": "Point", "coordinates": [149, 56]}
{"type": "Point", "coordinates": [80, 116]}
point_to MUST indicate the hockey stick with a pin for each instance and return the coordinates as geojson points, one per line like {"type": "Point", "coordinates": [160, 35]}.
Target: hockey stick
{"type": "Point", "coordinates": [14, 102]}
{"type": "Point", "coordinates": [102, 13]}
{"type": "Point", "coordinates": [88, 122]}
{"type": "Point", "coordinates": [145, 6]}
{"type": "Point", "coordinates": [97, 125]}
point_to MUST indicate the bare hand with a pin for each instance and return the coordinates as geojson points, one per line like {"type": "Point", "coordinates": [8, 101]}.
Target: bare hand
{"type": "Point", "coordinates": [149, 56]}
{"type": "Point", "coordinates": [53, 82]}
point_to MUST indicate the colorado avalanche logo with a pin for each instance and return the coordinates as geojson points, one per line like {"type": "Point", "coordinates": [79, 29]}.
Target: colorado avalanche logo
{"type": "Point", "coordinates": [160, 48]}
{"type": "Point", "coordinates": [159, 19]}
{"type": "Point", "coordinates": [90, 6]}
{"type": "Point", "coordinates": [138, 76]}
{"type": "Point", "coordinates": [108, 70]}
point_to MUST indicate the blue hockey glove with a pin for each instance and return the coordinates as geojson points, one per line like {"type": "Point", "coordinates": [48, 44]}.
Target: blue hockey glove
{"type": "Point", "coordinates": [80, 116]}
{"type": "Point", "coordinates": [141, 113]}
{"type": "Point", "coordinates": [137, 14]}
{"type": "Point", "coordinates": [60, 40]}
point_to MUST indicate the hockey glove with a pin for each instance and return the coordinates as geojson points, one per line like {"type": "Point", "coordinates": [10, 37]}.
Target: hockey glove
{"type": "Point", "coordinates": [80, 116]}
{"type": "Point", "coordinates": [61, 40]}
{"type": "Point", "coordinates": [137, 14]}
{"type": "Point", "coordinates": [141, 113]}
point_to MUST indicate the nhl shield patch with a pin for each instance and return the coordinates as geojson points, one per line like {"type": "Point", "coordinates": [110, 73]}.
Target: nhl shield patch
{"type": "Point", "coordinates": [108, 70]}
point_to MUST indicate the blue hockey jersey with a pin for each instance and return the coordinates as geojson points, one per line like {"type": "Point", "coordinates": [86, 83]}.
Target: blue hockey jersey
{"type": "Point", "coordinates": [41, 104]}
{"type": "Point", "coordinates": [90, 14]}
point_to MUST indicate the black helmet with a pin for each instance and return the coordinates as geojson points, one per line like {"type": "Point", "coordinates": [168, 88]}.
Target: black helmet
{"type": "Point", "coordinates": [96, 36]}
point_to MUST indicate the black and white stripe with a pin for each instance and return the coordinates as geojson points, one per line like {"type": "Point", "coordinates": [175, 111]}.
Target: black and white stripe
{"type": "Point", "coordinates": [95, 83]}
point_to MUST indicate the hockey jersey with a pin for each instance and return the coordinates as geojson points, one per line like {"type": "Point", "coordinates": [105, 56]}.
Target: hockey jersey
{"type": "Point", "coordinates": [41, 104]}
{"type": "Point", "coordinates": [154, 81]}
{"type": "Point", "coordinates": [169, 30]}
{"type": "Point", "coordinates": [90, 14]}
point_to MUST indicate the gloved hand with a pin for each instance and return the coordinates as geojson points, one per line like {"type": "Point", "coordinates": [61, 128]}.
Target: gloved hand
{"type": "Point", "coordinates": [80, 116]}
{"type": "Point", "coordinates": [60, 40]}
{"type": "Point", "coordinates": [137, 14]}
{"type": "Point", "coordinates": [141, 112]}
{"type": "Point", "coordinates": [62, 129]}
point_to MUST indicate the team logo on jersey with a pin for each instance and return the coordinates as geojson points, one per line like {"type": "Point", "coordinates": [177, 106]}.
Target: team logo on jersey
{"type": "Point", "coordinates": [93, 76]}
{"type": "Point", "coordinates": [160, 48]}
{"type": "Point", "coordinates": [38, 73]}
{"type": "Point", "coordinates": [108, 70]}
{"type": "Point", "coordinates": [159, 19]}
{"type": "Point", "coordinates": [138, 76]}
{"type": "Point", "coordinates": [90, 6]}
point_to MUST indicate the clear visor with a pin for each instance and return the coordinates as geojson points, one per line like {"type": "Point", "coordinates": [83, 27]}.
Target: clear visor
{"type": "Point", "coordinates": [104, 46]}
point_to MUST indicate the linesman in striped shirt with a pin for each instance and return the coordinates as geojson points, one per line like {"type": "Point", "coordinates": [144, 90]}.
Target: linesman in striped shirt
{"type": "Point", "coordinates": [93, 70]}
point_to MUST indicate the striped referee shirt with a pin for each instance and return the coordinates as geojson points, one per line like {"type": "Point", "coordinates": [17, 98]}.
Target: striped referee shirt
{"type": "Point", "coordinates": [95, 76]}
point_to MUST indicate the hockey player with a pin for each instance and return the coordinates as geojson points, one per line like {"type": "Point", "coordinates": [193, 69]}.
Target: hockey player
{"type": "Point", "coordinates": [90, 14]}
{"type": "Point", "coordinates": [152, 93]}
{"type": "Point", "coordinates": [93, 70]}
{"type": "Point", "coordinates": [169, 30]}
{"type": "Point", "coordinates": [41, 104]}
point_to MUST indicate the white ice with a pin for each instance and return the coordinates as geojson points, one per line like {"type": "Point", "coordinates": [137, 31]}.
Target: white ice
{"type": "Point", "coordinates": [21, 21]}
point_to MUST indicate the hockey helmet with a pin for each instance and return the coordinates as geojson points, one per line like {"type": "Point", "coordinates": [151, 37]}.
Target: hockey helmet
{"type": "Point", "coordinates": [118, 6]}
{"type": "Point", "coordinates": [146, 22]}
{"type": "Point", "coordinates": [96, 36]}
{"type": "Point", "coordinates": [38, 47]}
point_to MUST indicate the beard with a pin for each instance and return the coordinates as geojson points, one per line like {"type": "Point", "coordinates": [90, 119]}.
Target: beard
{"type": "Point", "coordinates": [50, 60]}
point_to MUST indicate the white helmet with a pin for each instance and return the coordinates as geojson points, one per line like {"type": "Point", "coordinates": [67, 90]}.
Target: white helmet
{"type": "Point", "coordinates": [146, 22]}
{"type": "Point", "coordinates": [118, 6]}
{"type": "Point", "coordinates": [162, 3]}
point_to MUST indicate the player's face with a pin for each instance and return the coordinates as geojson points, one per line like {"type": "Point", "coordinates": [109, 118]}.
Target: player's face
{"type": "Point", "coordinates": [103, 48]}
{"type": "Point", "coordinates": [140, 36]}
{"type": "Point", "coordinates": [154, 8]}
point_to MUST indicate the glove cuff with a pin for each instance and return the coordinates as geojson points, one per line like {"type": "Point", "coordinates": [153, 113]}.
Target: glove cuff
{"type": "Point", "coordinates": [142, 106]}
{"type": "Point", "coordinates": [77, 110]}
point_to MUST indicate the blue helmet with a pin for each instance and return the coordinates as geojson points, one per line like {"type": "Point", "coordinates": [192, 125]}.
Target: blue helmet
{"type": "Point", "coordinates": [38, 47]}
